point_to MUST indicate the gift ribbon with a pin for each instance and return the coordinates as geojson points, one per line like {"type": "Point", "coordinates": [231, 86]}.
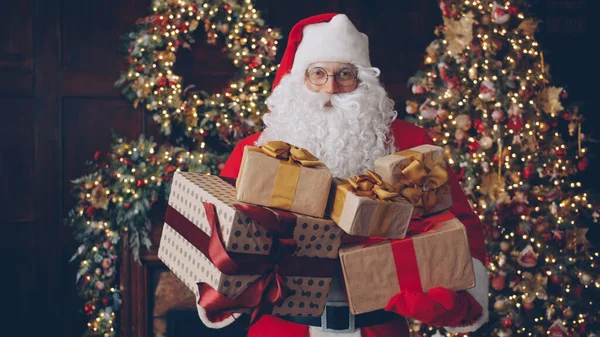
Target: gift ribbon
{"type": "Point", "coordinates": [292, 159]}
{"type": "Point", "coordinates": [403, 250]}
{"type": "Point", "coordinates": [421, 178]}
{"type": "Point", "coordinates": [269, 289]}
{"type": "Point", "coordinates": [369, 185]}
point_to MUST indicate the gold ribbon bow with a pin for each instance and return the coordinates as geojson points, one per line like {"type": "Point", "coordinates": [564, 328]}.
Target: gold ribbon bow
{"type": "Point", "coordinates": [370, 185]}
{"type": "Point", "coordinates": [420, 180]}
{"type": "Point", "coordinates": [292, 158]}
{"type": "Point", "coordinates": [282, 150]}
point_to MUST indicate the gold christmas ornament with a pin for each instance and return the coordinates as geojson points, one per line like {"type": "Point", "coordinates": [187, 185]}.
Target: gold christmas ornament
{"type": "Point", "coordinates": [485, 19]}
{"type": "Point", "coordinates": [549, 100]}
{"type": "Point", "coordinates": [532, 287]}
{"type": "Point", "coordinates": [411, 107]}
{"type": "Point", "coordinates": [528, 26]}
{"type": "Point", "coordinates": [492, 185]}
{"type": "Point", "coordinates": [99, 198]}
{"type": "Point", "coordinates": [568, 312]}
{"type": "Point", "coordinates": [585, 279]}
{"type": "Point", "coordinates": [459, 33]}
{"type": "Point", "coordinates": [463, 122]}
{"type": "Point", "coordinates": [472, 73]}
{"type": "Point", "coordinates": [486, 142]}
{"type": "Point", "coordinates": [501, 305]}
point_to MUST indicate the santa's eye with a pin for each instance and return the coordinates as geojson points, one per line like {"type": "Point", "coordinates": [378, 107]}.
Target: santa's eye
{"type": "Point", "coordinates": [345, 74]}
{"type": "Point", "coordinates": [317, 73]}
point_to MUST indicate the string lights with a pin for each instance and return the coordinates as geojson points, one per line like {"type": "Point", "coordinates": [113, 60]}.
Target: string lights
{"type": "Point", "coordinates": [121, 186]}
{"type": "Point", "coordinates": [517, 166]}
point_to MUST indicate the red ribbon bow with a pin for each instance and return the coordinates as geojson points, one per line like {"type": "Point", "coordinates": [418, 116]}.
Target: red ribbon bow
{"type": "Point", "coordinates": [270, 288]}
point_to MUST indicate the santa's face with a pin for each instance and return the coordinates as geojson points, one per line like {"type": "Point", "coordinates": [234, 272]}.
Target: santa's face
{"type": "Point", "coordinates": [346, 125]}
{"type": "Point", "coordinates": [331, 77]}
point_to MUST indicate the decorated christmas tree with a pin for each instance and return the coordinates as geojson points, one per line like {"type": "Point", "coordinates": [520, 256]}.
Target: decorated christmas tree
{"type": "Point", "coordinates": [198, 132]}
{"type": "Point", "coordinates": [517, 145]}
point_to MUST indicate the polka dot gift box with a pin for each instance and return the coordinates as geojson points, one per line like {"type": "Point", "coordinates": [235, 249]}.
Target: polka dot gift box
{"type": "Point", "coordinates": [235, 251]}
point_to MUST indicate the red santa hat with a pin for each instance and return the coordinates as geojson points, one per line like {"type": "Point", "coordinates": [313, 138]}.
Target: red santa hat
{"type": "Point", "coordinates": [323, 38]}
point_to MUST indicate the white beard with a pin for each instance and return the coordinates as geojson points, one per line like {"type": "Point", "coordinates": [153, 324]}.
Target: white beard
{"type": "Point", "coordinates": [347, 137]}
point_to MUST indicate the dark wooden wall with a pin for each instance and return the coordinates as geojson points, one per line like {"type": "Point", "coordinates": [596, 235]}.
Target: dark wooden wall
{"type": "Point", "coordinates": [58, 62]}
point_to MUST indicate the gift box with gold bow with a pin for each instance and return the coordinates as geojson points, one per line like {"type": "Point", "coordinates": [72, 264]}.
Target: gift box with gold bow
{"type": "Point", "coordinates": [366, 206]}
{"type": "Point", "coordinates": [420, 174]}
{"type": "Point", "coordinates": [283, 176]}
{"type": "Point", "coordinates": [435, 253]}
{"type": "Point", "coordinates": [246, 258]}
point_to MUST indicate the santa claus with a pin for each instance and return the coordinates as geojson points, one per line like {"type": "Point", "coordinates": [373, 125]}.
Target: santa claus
{"type": "Point", "coordinates": [327, 98]}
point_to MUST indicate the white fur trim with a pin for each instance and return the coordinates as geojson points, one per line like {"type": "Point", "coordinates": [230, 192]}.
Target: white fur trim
{"type": "Point", "coordinates": [215, 325]}
{"type": "Point", "coordinates": [480, 293]}
{"type": "Point", "coordinates": [334, 41]}
{"type": "Point", "coordinates": [315, 331]}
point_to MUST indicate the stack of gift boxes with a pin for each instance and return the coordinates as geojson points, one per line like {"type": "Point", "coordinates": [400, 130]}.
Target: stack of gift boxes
{"type": "Point", "coordinates": [270, 241]}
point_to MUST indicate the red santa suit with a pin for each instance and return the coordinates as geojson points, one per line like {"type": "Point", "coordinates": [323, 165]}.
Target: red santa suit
{"type": "Point", "coordinates": [458, 312]}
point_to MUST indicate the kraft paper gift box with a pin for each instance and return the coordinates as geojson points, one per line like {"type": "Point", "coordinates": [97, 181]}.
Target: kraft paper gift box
{"type": "Point", "coordinates": [420, 173]}
{"type": "Point", "coordinates": [199, 203]}
{"type": "Point", "coordinates": [366, 206]}
{"type": "Point", "coordinates": [438, 257]}
{"type": "Point", "coordinates": [283, 176]}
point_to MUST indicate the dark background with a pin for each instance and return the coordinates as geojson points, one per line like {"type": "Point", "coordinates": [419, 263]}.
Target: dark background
{"type": "Point", "coordinates": [59, 60]}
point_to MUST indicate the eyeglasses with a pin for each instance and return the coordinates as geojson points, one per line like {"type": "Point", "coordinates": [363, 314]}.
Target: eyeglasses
{"type": "Point", "coordinates": [345, 77]}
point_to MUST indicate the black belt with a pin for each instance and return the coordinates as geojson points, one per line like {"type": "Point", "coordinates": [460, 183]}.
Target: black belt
{"type": "Point", "coordinates": [339, 318]}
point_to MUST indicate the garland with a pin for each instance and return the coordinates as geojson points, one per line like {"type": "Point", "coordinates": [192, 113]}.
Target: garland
{"type": "Point", "coordinates": [200, 129]}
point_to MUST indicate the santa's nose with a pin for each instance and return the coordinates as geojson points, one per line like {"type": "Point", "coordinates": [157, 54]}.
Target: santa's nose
{"type": "Point", "coordinates": [331, 87]}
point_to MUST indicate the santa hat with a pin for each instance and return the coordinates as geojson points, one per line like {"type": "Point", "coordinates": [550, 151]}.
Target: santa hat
{"type": "Point", "coordinates": [323, 38]}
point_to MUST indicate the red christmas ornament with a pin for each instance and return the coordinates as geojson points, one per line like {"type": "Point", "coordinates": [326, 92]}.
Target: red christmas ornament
{"type": "Point", "coordinates": [479, 125]}
{"type": "Point", "coordinates": [527, 257]}
{"type": "Point", "coordinates": [127, 162]}
{"type": "Point", "coordinates": [161, 82]}
{"type": "Point", "coordinates": [97, 155]}
{"type": "Point", "coordinates": [105, 301]}
{"type": "Point", "coordinates": [90, 211]}
{"type": "Point", "coordinates": [513, 10]}
{"type": "Point", "coordinates": [566, 116]}
{"type": "Point", "coordinates": [170, 169]}
{"type": "Point", "coordinates": [453, 82]}
{"type": "Point", "coordinates": [528, 305]}
{"type": "Point", "coordinates": [564, 94]}
{"type": "Point", "coordinates": [498, 44]}
{"type": "Point", "coordinates": [445, 8]}
{"type": "Point", "coordinates": [418, 89]}
{"type": "Point", "coordinates": [515, 123]}
{"type": "Point", "coordinates": [461, 174]}
{"type": "Point", "coordinates": [473, 146]}
{"type": "Point", "coordinates": [583, 164]}
{"type": "Point", "coordinates": [139, 183]}
{"type": "Point", "coordinates": [499, 282]}
{"type": "Point", "coordinates": [560, 152]}
{"type": "Point", "coordinates": [507, 322]}
{"type": "Point", "coordinates": [528, 171]}
{"type": "Point", "coordinates": [248, 79]}
{"type": "Point", "coordinates": [127, 205]}
{"type": "Point", "coordinates": [555, 279]}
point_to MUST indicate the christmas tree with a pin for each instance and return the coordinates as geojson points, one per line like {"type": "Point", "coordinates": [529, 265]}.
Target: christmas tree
{"type": "Point", "coordinates": [198, 130]}
{"type": "Point", "coordinates": [518, 148]}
